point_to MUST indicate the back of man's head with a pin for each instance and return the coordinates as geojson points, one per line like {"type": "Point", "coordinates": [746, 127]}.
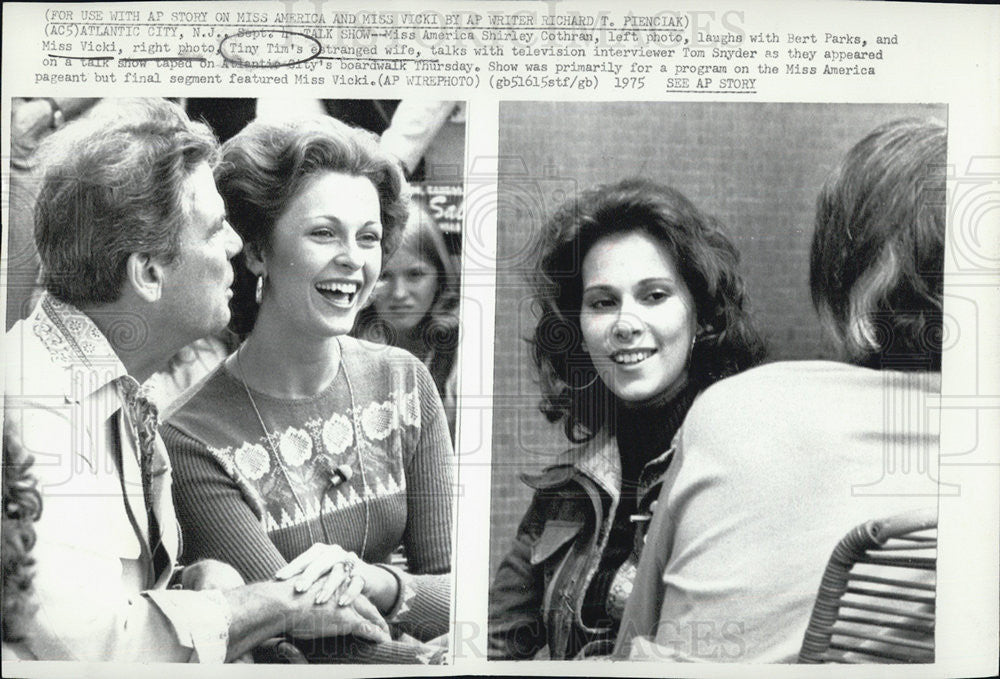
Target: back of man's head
{"type": "Point", "coordinates": [113, 185]}
{"type": "Point", "coordinates": [877, 261]}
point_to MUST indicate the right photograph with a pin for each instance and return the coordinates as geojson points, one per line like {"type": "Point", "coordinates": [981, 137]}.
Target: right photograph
{"type": "Point", "coordinates": [718, 342]}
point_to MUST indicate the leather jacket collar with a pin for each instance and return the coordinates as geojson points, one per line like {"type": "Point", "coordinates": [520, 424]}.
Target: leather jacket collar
{"type": "Point", "coordinates": [598, 460]}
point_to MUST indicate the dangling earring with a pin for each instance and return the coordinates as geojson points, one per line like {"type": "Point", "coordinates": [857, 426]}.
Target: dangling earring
{"type": "Point", "coordinates": [258, 294]}
{"type": "Point", "coordinates": [583, 345]}
{"type": "Point", "coordinates": [699, 334]}
{"type": "Point", "coordinates": [585, 386]}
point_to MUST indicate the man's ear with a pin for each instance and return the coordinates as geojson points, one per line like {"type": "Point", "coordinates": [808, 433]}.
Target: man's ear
{"type": "Point", "coordinates": [145, 275]}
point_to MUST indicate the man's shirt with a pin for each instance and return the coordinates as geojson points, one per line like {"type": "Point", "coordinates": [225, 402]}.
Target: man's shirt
{"type": "Point", "coordinates": [97, 598]}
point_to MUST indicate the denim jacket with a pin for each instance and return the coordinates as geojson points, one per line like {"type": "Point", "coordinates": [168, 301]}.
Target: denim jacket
{"type": "Point", "coordinates": [538, 594]}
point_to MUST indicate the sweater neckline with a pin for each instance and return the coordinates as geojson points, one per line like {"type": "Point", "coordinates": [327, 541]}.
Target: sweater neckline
{"type": "Point", "coordinates": [644, 431]}
{"type": "Point", "coordinates": [322, 395]}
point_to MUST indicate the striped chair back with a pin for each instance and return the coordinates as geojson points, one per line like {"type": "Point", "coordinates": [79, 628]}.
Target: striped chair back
{"type": "Point", "coordinates": [876, 600]}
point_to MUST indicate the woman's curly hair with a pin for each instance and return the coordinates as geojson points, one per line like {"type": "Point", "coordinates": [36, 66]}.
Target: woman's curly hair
{"type": "Point", "coordinates": [707, 260]}
{"type": "Point", "coordinates": [22, 505]}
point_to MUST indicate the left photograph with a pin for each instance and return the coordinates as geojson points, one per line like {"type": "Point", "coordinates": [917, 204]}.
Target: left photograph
{"type": "Point", "coordinates": [232, 341]}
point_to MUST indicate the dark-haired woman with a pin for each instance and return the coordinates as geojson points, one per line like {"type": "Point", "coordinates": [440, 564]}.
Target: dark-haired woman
{"type": "Point", "coordinates": [415, 304]}
{"type": "Point", "coordinates": [310, 454]}
{"type": "Point", "coordinates": [642, 307]}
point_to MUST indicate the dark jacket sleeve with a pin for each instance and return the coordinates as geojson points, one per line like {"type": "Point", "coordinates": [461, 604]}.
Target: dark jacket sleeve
{"type": "Point", "coordinates": [516, 626]}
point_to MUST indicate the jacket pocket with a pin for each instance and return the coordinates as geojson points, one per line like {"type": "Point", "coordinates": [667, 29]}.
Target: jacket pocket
{"type": "Point", "coordinates": [556, 534]}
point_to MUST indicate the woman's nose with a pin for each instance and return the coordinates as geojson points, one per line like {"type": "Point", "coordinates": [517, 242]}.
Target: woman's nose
{"type": "Point", "coordinates": [625, 328]}
{"type": "Point", "coordinates": [349, 256]}
{"type": "Point", "coordinates": [628, 324]}
{"type": "Point", "coordinates": [398, 288]}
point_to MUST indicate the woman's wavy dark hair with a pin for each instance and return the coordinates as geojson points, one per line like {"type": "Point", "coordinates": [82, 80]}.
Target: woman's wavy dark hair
{"type": "Point", "coordinates": [22, 505]}
{"type": "Point", "coordinates": [727, 341]}
{"type": "Point", "coordinates": [877, 263]}
{"type": "Point", "coordinates": [265, 166]}
{"type": "Point", "coordinates": [438, 329]}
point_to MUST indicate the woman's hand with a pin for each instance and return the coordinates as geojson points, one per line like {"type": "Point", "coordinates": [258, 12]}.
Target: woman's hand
{"type": "Point", "coordinates": [343, 574]}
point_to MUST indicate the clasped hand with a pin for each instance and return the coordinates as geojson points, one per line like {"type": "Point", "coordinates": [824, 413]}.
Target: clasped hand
{"type": "Point", "coordinates": [342, 574]}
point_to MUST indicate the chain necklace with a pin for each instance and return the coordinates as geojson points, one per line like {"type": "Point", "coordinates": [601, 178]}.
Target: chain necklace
{"type": "Point", "coordinates": [274, 451]}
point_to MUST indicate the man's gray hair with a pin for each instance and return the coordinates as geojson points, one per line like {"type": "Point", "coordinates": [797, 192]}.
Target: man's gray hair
{"type": "Point", "coordinates": [113, 185]}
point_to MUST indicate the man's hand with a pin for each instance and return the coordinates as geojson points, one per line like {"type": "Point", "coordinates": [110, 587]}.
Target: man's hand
{"type": "Point", "coordinates": [330, 619]}
{"type": "Point", "coordinates": [266, 609]}
{"type": "Point", "coordinates": [210, 574]}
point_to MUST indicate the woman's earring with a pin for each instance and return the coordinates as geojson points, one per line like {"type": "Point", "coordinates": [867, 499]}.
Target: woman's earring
{"type": "Point", "coordinates": [258, 294]}
{"type": "Point", "coordinates": [701, 333]}
{"type": "Point", "coordinates": [584, 386]}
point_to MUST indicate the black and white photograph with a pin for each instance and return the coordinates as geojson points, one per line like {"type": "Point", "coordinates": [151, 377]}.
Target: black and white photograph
{"type": "Point", "coordinates": [719, 332]}
{"type": "Point", "coordinates": [233, 327]}
{"type": "Point", "coordinates": [500, 338]}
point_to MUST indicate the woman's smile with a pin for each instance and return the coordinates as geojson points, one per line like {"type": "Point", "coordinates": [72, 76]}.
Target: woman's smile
{"type": "Point", "coordinates": [325, 256]}
{"type": "Point", "coordinates": [340, 293]}
{"type": "Point", "coordinates": [637, 316]}
{"type": "Point", "coordinates": [632, 356]}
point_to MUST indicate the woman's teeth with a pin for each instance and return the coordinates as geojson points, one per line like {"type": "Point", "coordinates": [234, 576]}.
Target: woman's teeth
{"type": "Point", "coordinates": [629, 357]}
{"type": "Point", "coordinates": [340, 292]}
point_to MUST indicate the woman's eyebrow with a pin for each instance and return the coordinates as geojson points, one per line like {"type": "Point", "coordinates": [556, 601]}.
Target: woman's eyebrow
{"type": "Point", "coordinates": [333, 219]}
{"type": "Point", "coordinates": [644, 281]}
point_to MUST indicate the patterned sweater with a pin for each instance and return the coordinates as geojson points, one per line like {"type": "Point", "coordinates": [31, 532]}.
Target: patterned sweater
{"type": "Point", "coordinates": [381, 416]}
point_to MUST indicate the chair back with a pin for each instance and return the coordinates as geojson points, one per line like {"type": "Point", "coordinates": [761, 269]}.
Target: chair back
{"type": "Point", "coordinates": [876, 599]}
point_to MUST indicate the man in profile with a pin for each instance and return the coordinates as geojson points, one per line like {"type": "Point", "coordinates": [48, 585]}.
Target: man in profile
{"type": "Point", "coordinates": [135, 250]}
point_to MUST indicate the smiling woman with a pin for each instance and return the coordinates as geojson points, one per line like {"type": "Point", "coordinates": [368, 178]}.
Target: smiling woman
{"type": "Point", "coordinates": [638, 317]}
{"type": "Point", "coordinates": [322, 260]}
{"type": "Point", "coordinates": [309, 454]}
{"type": "Point", "coordinates": [642, 308]}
